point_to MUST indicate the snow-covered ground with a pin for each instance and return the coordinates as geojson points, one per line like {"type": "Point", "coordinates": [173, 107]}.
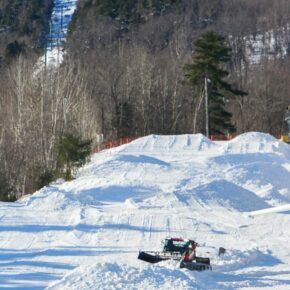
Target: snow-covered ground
{"type": "Point", "coordinates": [86, 234]}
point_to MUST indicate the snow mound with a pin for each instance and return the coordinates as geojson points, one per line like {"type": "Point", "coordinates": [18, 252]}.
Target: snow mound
{"type": "Point", "coordinates": [268, 180]}
{"type": "Point", "coordinates": [227, 194]}
{"type": "Point", "coordinates": [118, 276]}
{"type": "Point", "coordinates": [52, 198]}
{"type": "Point", "coordinates": [255, 142]}
{"type": "Point", "coordinates": [141, 159]}
{"type": "Point", "coordinates": [253, 258]}
{"type": "Point", "coordinates": [170, 144]}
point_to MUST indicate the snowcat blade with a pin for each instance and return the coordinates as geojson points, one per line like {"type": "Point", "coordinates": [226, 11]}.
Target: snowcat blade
{"type": "Point", "coordinates": [150, 258]}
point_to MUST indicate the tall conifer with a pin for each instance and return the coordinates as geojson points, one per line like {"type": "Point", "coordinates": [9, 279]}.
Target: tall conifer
{"type": "Point", "coordinates": [207, 72]}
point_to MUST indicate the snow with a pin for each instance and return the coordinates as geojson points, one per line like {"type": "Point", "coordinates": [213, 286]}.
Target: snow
{"type": "Point", "coordinates": [282, 208]}
{"type": "Point", "coordinates": [263, 45]}
{"type": "Point", "coordinates": [126, 277]}
{"type": "Point", "coordinates": [269, 44]}
{"type": "Point", "coordinates": [86, 234]}
{"type": "Point", "coordinates": [61, 17]}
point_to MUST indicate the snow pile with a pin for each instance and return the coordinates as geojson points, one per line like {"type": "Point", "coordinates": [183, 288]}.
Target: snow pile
{"type": "Point", "coordinates": [86, 234]}
{"type": "Point", "coordinates": [171, 144]}
{"type": "Point", "coordinates": [117, 276]}
{"type": "Point", "coordinates": [255, 142]}
{"type": "Point", "coordinates": [230, 195]}
{"type": "Point", "coordinates": [256, 161]}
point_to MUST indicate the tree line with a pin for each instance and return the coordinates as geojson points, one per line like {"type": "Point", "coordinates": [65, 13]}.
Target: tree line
{"type": "Point", "coordinates": [37, 111]}
{"type": "Point", "coordinates": [23, 26]}
{"type": "Point", "coordinates": [140, 79]}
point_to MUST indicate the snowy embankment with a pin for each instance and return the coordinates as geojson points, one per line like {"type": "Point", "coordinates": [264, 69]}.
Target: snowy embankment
{"type": "Point", "coordinates": [86, 234]}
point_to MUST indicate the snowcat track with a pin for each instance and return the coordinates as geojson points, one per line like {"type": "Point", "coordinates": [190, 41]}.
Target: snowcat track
{"type": "Point", "coordinates": [195, 266]}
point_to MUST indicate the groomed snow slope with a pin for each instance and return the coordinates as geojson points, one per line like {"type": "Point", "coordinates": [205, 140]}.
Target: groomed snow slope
{"type": "Point", "coordinates": [61, 16]}
{"type": "Point", "coordinates": [86, 234]}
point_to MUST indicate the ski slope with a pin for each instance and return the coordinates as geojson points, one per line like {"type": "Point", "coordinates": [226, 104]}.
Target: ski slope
{"type": "Point", "coordinates": [86, 234]}
{"type": "Point", "coordinates": [61, 16]}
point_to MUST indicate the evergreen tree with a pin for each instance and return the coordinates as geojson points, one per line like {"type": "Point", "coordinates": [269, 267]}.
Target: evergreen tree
{"type": "Point", "coordinates": [108, 8]}
{"type": "Point", "coordinates": [6, 190]}
{"type": "Point", "coordinates": [123, 120]}
{"type": "Point", "coordinates": [207, 72]}
{"type": "Point", "coordinates": [72, 152]}
{"type": "Point", "coordinates": [45, 178]}
{"type": "Point", "coordinates": [130, 10]}
{"type": "Point", "coordinates": [14, 49]}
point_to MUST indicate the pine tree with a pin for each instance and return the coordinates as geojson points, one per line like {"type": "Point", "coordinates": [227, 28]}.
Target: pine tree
{"type": "Point", "coordinates": [208, 73]}
{"type": "Point", "coordinates": [123, 120]}
{"type": "Point", "coordinates": [72, 153]}
{"type": "Point", "coordinates": [6, 190]}
{"type": "Point", "coordinates": [45, 178]}
{"type": "Point", "coordinates": [130, 10]}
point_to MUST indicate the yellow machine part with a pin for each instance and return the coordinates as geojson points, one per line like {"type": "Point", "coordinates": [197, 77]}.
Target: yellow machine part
{"type": "Point", "coordinates": [285, 138]}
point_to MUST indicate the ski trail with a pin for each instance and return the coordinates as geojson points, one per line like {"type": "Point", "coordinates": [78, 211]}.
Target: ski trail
{"type": "Point", "coordinates": [150, 227]}
{"type": "Point", "coordinates": [195, 226]}
{"type": "Point", "coordinates": [167, 223]}
{"type": "Point", "coordinates": [118, 233]}
{"type": "Point", "coordinates": [129, 224]}
{"type": "Point", "coordinates": [145, 226]}
{"type": "Point", "coordinates": [181, 227]}
{"type": "Point", "coordinates": [172, 142]}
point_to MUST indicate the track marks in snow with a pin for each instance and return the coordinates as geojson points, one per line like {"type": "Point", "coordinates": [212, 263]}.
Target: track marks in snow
{"type": "Point", "coordinates": [147, 226]}
{"type": "Point", "coordinates": [181, 227]}
{"type": "Point", "coordinates": [150, 227]}
{"type": "Point", "coordinates": [167, 226]}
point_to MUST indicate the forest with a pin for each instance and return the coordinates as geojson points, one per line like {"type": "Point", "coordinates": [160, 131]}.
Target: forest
{"type": "Point", "coordinates": [124, 75]}
{"type": "Point", "coordinates": [23, 26]}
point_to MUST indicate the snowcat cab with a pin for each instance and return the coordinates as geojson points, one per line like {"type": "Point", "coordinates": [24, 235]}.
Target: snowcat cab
{"type": "Point", "coordinates": [175, 245]}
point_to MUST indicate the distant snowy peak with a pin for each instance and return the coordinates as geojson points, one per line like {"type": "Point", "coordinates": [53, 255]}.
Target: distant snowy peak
{"type": "Point", "coordinates": [172, 144]}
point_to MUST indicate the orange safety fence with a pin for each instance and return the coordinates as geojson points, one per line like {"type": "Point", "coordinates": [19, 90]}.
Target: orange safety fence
{"type": "Point", "coordinates": [118, 142]}
{"type": "Point", "coordinates": [222, 137]}
{"type": "Point", "coordinates": [113, 143]}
